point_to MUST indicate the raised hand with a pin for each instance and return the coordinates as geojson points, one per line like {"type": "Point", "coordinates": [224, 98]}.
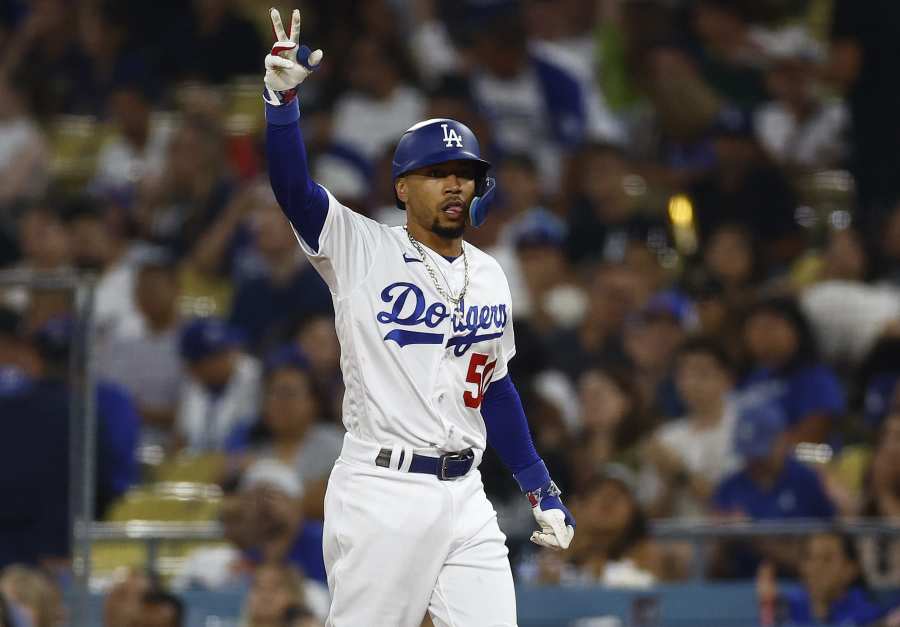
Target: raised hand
{"type": "Point", "coordinates": [289, 63]}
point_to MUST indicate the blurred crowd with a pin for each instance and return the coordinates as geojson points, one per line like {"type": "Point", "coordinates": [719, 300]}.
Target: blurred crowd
{"type": "Point", "coordinates": [698, 212]}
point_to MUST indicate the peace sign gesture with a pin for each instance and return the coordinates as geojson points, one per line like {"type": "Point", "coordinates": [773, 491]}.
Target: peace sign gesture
{"type": "Point", "coordinates": [289, 63]}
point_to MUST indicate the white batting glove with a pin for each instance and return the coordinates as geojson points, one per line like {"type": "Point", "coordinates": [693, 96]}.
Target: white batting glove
{"type": "Point", "coordinates": [289, 63]}
{"type": "Point", "coordinates": [557, 526]}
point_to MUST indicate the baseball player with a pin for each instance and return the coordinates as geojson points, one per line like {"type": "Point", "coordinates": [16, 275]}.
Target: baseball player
{"type": "Point", "coordinates": [425, 326]}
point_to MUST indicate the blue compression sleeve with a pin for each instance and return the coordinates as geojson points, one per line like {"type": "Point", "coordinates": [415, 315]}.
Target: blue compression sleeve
{"type": "Point", "coordinates": [508, 434]}
{"type": "Point", "coordinates": [304, 203]}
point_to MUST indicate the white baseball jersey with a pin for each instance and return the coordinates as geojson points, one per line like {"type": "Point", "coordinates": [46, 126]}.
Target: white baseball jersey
{"type": "Point", "coordinates": [413, 375]}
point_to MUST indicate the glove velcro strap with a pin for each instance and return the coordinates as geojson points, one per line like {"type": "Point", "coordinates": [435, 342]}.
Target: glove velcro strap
{"type": "Point", "coordinates": [550, 490]}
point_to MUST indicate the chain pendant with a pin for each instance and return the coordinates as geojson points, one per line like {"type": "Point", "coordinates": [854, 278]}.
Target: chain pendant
{"type": "Point", "coordinates": [457, 314]}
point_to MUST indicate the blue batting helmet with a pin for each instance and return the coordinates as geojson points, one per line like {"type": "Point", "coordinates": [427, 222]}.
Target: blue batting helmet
{"type": "Point", "coordinates": [439, 140]}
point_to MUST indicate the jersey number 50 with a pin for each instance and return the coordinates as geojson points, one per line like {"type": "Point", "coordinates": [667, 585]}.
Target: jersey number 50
{"type": "Point", "coordinates": [480, 373]}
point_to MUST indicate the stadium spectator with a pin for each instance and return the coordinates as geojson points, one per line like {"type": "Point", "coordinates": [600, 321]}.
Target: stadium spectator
{"type": "Point", "coordinates": [23, 156]}
{"type": "Point", "coordinates": [727, 54]}
{"type": "Point", "coordinates": [742, 186]}
{"type": "Point", "coordinates": [43, 246]}
{"type": "Point", "coordinates": [122, 602]}
{"type": "Point", "coordinates": [118, 421]}
{"type": "Point", "coordinates": [264, 524]}
{"type": "Point", "coordinates": [379, 103]}
{"type": "Point", "coordinates": [880, 557]}
{"type": "Point", "coordinates": [613, 421]}
{"type": "Point", "coordinates": [290, 428]}
{"type": "Point", "coordinates": [275, 589]}
{"type": "Point", "coordinates": [730, 257]}
{"type": "Point", "coordinates": [146, 361]}
{"type": "Point", "coordinates": [105, 31]}
{"type": "Point", "coordinates": [833, 589]}
{"type": "Point", "coordinates": [180, 206]}
{"type": "Point", "coordinates": [650, 338]}
{"type": "Point", "coordinates": [785, 369]}
{"type": "Point", "coordinates": [285, 287]}
{"type": "Point", "coordinates": [317, 341]}
{"type": "Point", "coordinates": [848, 315]}
{"type": "Point", "coordinates": [34, 594]}
{"type": "Point", "coordinates": [797, 128]}
{"type": "Point", "coordinates": [615, 548]}
{"type": "Point", "coordinates": [603, 217]}
{"type": "Point", "coordinates": [15, 351]}
{"type": "Point", "coordinates": [685, 459]}
{"type": "Point", "coordinates": [44, 58]}
{"type": "Point", "coordinates": [97, 245]}
{"type": "Point", "coordinates": [299, 616]}
{"type": "Point", "coordinates": [614, 292]}
{"type": "Point", "coordinates": [717, 315]}
{"type": "Point", "coordinates": [273, 495]}
{"type": "Point", "coordinates": [865, 40]}
{"type": "Point", "coordinates": [551, 299]}
{"type": "Point", "coordinates": [224, 385]}
{"type": "Point", "coordinates": [223, 43]}
{"type": "Point", "coordinates": [771, 485]}
{"type": "Point", "coordinates": [34, 526]}
{"type": "Point", "coordinates": [160, 609]}
{"type": "Point", "coordinates": [136, 151]}
{"type": "Point", "coordinates": [517, 89]}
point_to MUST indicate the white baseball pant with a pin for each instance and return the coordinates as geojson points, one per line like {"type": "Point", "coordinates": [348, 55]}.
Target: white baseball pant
{"type": "Point", "coordinates": [397, 544]}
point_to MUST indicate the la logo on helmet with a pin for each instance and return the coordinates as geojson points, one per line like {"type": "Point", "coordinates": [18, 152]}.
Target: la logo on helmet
{"type": "Point", "coordinates": [450, 136]}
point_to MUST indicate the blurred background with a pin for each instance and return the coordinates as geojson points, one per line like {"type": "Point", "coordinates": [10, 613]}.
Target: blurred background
{"type": "Point", "coordinates": [699, 215]}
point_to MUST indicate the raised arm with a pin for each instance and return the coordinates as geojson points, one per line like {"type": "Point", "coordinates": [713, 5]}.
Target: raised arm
{"type": "Point", "coordinates": [304, 203]}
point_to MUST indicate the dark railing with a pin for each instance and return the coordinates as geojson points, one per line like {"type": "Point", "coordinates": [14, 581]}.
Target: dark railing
{"type": "Point", "coordinates": [699, 533]}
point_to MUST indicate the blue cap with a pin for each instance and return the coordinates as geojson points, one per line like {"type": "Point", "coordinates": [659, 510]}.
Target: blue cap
{"type": "Point", "coordinates": [204, 337]}
{"type": "Point", "coordinates": [671, 304]}
{"type": "Point", "coordinates": [758, 428]}
{"type": "Point", "coordinates": [287, 356]}
{"type": "Point", "coordinates": [539, 227]}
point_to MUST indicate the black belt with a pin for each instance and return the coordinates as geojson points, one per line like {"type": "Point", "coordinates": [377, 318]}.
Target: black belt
{"type": "Point", "coordinates": [447, 466]}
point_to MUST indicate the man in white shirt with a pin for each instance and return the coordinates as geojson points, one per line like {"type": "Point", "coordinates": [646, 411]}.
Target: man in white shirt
{"type": "Point", "coordinates": [223, 389]}
{"type": "Point", "coordinates": [687, 457]}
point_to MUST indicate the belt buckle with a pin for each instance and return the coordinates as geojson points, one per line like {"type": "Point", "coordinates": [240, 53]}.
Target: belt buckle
{"type": "Point", "coordinates": [446, 458]}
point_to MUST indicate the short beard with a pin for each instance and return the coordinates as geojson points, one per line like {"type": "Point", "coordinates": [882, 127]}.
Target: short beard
{"type": "Point", "coordinates": [448, 232]}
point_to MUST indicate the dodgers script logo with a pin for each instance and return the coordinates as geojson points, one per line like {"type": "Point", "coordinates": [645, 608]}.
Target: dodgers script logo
{"type": "Point", "coordinates": [408, 308]}
{"type": "Point", "coordinates": [451, 136]}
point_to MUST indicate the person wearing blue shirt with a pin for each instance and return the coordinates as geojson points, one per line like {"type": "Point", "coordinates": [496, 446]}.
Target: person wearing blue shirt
{"type": "Point", "coordinates": [771, 485]}
{"type": "Point", "coordinates": [785, 369]}
{"type": "Point", "coordinates": [286, 286]}
{"type": "Point", "coordinates": [833, 591]}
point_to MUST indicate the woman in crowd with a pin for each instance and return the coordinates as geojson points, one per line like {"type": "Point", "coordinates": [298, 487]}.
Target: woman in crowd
{"type": "Point", "coordinates": [614, 546]}
{"type": "Point", "coordinates": [832, 591]}
{"type": "Point", "coordinates": [289, 428]}
{"type": "Point", "coordinates": [784, 368]}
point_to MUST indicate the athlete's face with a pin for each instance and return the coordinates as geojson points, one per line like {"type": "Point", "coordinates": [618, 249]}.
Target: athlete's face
{"type": "Point", "coordinates": [437, 197]}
